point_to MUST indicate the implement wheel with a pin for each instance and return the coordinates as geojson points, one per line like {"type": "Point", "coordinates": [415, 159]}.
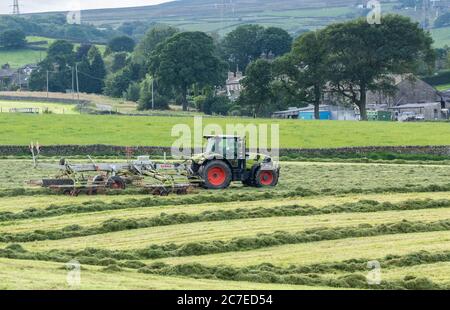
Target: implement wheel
{"type": "Point", "coordinates": [216, 175]}
{"type": "Point", "coordinates": [116, 183]}
{"type": "Point", "coordinates": [266, 178]}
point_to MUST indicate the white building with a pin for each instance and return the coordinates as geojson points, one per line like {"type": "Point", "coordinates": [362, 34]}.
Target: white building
{"type": "Point", "coordinates": [234, 85]}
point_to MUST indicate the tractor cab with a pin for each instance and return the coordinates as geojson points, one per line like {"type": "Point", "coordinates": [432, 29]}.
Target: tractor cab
{"type": "Point", "coordinates": [225, 160]}
{"type": "Point", "coordinates": [228, 147]}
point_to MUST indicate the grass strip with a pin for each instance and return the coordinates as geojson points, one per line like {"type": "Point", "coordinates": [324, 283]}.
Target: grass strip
{"type": "Point", "coordinates": [114, 225]}
{"type": "Point", "coordinates": [94, 256]}
{"type": "Point", "coordinates": [97, 206]}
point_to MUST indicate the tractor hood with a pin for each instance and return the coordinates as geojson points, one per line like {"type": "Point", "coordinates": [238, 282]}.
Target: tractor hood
{"type": "Point", "coordinates": [251, 157]}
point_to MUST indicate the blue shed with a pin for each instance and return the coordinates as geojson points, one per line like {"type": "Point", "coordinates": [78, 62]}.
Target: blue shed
{"type": "Point", "coordinates": [305, 115]}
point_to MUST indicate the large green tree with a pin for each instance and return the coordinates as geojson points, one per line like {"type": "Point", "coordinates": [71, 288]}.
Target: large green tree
{"type": "Point", "coordinates": [147, 45]}
{"type": "Point", "coordinates": [248, 42]}
{"type": "Point", "coordinates": [96, 72]}
{"type": "Point", "coordinates": [363, 57]}
{"type": "Point", "coordinates": [12, 39]}
{"type": "Point", "coordinates": [58, 63]}
{"type": "Point", "coordinates": [186, 59]}
{"type": "Point", "coordinates": [276, 41]}
{"type": "Point", "coordinates": [307, 68]}
{"type": "Point", "coordinates": [120, 44]}
{"type": "Point", "coordinates": [242, 45]}
{"type": "Point", "coordinates": [257, 93]}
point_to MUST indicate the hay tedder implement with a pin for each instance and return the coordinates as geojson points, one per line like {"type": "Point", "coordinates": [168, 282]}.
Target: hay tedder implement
{"type": "Point", "coordinates": [223, 162]}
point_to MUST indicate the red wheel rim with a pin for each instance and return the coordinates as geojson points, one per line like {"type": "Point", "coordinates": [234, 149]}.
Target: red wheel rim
{"type": "Point", "coordinates": [266, 178]}
{"type": "Point", "coordinates": [216, 176]}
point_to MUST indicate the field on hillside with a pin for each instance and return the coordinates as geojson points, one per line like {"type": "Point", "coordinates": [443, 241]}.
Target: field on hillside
{"type": "Point", "coordinates": [24, 56]}
{"type": "Point", "coordinates": [156, 131]}
{"type": "Point", "coordinates": [317, 230]}
{"type": "Point", "coordinates": [57, 108]}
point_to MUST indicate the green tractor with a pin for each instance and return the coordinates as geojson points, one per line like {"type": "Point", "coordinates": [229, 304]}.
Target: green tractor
{"type": "Point", "coordinates": [225, 160]}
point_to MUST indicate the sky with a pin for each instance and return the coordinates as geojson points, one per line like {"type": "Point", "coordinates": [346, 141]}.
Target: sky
{"type": "Point", "coordinates": [31, 6]}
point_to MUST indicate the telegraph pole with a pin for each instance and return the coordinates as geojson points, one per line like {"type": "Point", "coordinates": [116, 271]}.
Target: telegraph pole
{"type": "Point", "coordinates": [73, 83]}
{"type": "Point", "coordinates": [153, 96]}
{"type": "Point", "coordinates": [47, 84]}
{"type": "Point", "coordinates": [78, 86]}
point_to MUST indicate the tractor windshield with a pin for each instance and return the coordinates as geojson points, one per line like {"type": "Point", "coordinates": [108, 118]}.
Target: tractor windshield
{"type": "Point", "coordinates": [210, 146]}
{"type": "Point", "coordinates": [225, 147]}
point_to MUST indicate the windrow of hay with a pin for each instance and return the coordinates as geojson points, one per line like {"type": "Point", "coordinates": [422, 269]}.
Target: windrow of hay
{"type": "Point", "coordinates": [236, 244]}
{"type": "Point", "coordinates": [114, 225]}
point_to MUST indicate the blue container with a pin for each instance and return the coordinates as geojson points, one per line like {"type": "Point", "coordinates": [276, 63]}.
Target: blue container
{"type": "Point", "coordinates": [324, 115]}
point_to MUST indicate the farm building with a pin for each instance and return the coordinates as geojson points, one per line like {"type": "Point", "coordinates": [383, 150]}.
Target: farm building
{"type": "Point", "coordinates": [409, 90]}
{"type": "Point", "coordinates": [6, 76]}
{"type": "Point", "coordinates": [233, 84]}
{"type": "Point", "coordinates": [327, 112]}
{"type": "Point", "coordinates": [420, 111]}
{"type": "Point", "coordinates": [10, 78]}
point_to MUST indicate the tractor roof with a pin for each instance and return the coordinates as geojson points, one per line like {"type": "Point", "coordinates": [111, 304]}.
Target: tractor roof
{"type": "Point", "coordinates": [222, 136]}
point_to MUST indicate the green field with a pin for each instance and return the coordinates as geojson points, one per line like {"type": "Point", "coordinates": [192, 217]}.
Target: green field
{"type": "Point", "coordinates": [18, 58]}
{"type": "Point", "coordinates": [441, 36]}
{"type": "Point", "coordinates": [443, 87]}
{"type": "Point", "coordinates": [57, 108]}
{"type": "Point", "coordinates": [24, 56]}
{"type": "Point", "coordinates": [317, 230]}
{"type": "Point", "coordinates": [156, 131]}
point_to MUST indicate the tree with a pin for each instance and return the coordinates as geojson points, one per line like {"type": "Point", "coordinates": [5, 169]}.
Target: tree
{"type": "Point", "coordinates": [13, 39]}
{"type": "Point", "coordinates": [243, 45]}
{"type": "Point", "coordinates": [276, 41]}
{"type": "Point", "coordinates": [82, 51]}
{"type": "Point", "coordinates": [308, 68]}
{"type": "Point", "coordinates": [363, 57]}
{"type": "Point", "coordinates": [117, 84]}
{"type": "Point", "coordinates": [150, 96]}
{"type": "Point", "coordinates": [58, 62]}
{"type": "Point", "coordinates": [147, 45]}
{"type": "Point", "coordinates": [255, 97]}
{"type": "Point", "coordinates": [97, 70]}
{"type": "Point", "coordinates": [219, 105]}
{"type": "Point", "coordinates": [118, 61]}
{"type": "Point", "coordinates": [185, 59]}
{"type": "Point", "coordinates": [121, 44]}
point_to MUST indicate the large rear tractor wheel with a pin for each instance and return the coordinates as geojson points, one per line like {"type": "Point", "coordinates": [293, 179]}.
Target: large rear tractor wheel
{"type": "Point", "coordinates": [266, 178]}
{"type": "Point", "coordinates": [116, 183]}
{"type": "Point", "coordinates": [216, 175]}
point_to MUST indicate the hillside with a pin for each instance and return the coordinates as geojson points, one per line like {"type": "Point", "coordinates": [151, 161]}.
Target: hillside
{"type": "Point", "coordinates": [223, 16]}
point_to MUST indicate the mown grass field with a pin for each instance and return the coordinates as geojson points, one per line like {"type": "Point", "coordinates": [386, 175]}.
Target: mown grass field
{"type": "Point", "coordinates": [156, 131]}
{"type": "Point", "coordinates": [317, 230]}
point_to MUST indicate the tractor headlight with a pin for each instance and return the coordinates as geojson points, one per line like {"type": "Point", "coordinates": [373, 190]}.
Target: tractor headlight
{"type": "Point", "coordinates": [267, 160]}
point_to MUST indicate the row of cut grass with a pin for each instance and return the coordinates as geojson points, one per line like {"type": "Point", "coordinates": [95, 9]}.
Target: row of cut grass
{"type": "Point", "coordinates": [370, 248]}
{"type": "Point", "coordinates": [227, 230]}
{"type": "Point", "coordinates": [119, 220]}
{"type": "Point", "coordinates": [48, 275]}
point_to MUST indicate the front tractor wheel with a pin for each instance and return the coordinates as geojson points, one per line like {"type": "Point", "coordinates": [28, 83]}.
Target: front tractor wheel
{"type": "Point", "coordinates": [265, 178]}
{"type": "Point", "coordinates": [216, 175]}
